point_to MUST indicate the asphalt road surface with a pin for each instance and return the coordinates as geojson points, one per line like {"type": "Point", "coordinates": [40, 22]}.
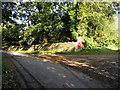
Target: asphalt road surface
{"type": "Point", "coordinates": [34, 72]}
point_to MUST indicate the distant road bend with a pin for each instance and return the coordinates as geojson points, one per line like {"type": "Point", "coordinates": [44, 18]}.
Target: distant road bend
{"type": "Point", "coordinates": [35, 72]}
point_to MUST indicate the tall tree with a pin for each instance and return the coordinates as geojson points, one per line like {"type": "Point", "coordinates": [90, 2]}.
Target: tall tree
{"type": "Point", "coordinates": [61, 22]}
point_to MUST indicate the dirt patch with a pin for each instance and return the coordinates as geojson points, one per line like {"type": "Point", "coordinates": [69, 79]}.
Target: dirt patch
{"type": "Point", "coordinates": [9, 77]}
{"type": "Point", "coordinates": [101, 67]}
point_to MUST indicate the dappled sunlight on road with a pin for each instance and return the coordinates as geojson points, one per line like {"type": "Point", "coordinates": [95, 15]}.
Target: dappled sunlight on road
{"type": "Point", "coordinates": [50, 74]}
{"type": "Point", "coordinates": [80, 63]}
{"type": "Point", "coordinates": [19, 54]}
{"type": "Point", "coordinates": [75, 61]}
{"type": "Point", "coordinates": [69, 84]}
{"type": "Point", "coordinates": [45, 60]}
{"type": "Point", "coordinates": [51, 68]}
{"type": "Point", "coordinates": [62, 75]}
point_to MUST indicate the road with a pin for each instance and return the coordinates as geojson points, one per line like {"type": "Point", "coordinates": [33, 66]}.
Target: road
{"type": "Point", "coordinates": [36, 72]}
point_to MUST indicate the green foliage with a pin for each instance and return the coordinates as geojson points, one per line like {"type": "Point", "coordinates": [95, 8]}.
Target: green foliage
{"type": "Point", "coordinates": [119, 42]}
{"type": "Point", "coordinates": [89, 43]}
{"type": "Point", "coordinates": [52, 22]}
{"type": "Point", "coordinates": [7, 8]}
{"type": "Point", "coordinates": [10, 36]}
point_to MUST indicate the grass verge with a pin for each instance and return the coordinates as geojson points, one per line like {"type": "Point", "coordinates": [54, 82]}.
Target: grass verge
{"type": "Point", "coordinates": [8, 77]}
{"type": "Point", "coordinates": [94, 51]}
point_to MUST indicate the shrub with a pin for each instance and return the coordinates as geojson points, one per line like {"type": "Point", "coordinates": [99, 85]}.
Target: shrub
{"type": "Point", "coordinates": [89, 43]}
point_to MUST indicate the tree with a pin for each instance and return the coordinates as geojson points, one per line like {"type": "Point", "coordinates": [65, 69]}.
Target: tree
{"type": "Point", "coordinates": [51, 22]}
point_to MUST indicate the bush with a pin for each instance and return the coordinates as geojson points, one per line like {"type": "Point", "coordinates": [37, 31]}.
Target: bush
{"type": "Point", "coordinates": [89, 43]}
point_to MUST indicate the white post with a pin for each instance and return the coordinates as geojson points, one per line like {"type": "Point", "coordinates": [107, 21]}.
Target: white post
{"type": "Point", "coordinates": [78, 44]}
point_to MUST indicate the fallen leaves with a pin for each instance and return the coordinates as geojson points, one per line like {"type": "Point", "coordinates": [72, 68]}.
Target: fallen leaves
{"type": "Point", "coordinates": [72, 64]}
{"type": "Point", "coordinates": [99, 64]}
{"type": "Point", "coordinates": [106, 73]}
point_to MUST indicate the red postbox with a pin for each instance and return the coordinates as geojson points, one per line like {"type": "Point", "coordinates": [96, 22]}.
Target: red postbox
{"type": "Point", "coordinates": [79, 45]}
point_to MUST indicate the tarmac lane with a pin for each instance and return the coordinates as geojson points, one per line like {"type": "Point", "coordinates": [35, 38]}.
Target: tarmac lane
{"type": "Point", "coordinates": [35, 72]}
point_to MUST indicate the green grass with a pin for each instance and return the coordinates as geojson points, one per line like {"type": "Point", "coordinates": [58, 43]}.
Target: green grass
{"type": "Point", "coordinates": [94, 51]}
{"type": "Point", "coordinates": [35, 52]}
{"type": "Point", "coordinates": [5, 71]}
{"type": "Point", "coordinates": [4, 67]}
{"type": "Point", "coordinates": [9, 79]}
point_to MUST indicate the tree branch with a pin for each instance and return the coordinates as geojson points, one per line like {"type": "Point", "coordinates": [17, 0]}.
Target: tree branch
{"type": "Point", "coordinates": [61, 6]}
